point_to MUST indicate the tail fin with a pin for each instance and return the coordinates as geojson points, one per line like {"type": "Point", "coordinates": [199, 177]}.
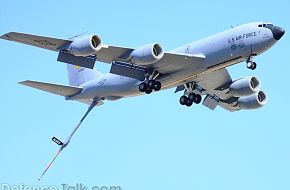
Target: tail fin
{"type": "Point", "coordinates": [79, 75]}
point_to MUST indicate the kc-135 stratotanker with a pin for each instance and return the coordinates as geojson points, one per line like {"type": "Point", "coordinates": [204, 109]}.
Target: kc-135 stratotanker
{"type": "Point", "coordinates": [198, 69]}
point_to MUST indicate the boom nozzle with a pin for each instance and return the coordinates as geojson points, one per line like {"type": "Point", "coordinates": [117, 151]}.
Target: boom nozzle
{"type": "Point", "coordinates": [49, 164]}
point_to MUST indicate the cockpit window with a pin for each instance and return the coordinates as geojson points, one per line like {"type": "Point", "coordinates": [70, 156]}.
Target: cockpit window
{"type": "Point", "coordinates": [264, 25]}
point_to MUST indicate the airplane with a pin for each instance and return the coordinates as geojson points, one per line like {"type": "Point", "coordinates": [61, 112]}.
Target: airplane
{"type": "Point", "coordinates": [198, 69]}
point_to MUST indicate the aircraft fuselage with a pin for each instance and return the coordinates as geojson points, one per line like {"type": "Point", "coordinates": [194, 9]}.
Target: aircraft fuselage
{"type": "Point", "coordinates": [221, 50]}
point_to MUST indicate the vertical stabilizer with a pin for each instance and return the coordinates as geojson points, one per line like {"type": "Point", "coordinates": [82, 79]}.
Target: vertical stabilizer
{"type": "Point", "coordinates": [79, 75]}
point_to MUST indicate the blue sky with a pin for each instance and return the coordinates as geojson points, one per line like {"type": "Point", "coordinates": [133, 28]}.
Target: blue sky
{"type": "Point", "coordinates": [146, 142]}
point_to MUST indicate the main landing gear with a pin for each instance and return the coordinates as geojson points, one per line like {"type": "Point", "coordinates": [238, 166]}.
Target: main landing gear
{"type": "Point", "coordinates": [250, 63]}
{"type": "Point", "coordinates": [190, 99]}
{"type": "Point", "coordinates": [149, 86]}
{"type": "Point", "coordinates": [189, 96]}
{"type": "Point", "coordinates": [150, 83]}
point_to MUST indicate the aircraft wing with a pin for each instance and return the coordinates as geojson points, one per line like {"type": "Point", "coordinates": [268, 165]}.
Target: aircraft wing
{"type": "Point", "coordinates": [53, 44]}
{"type": "Point", "coordinates": [169, 63]}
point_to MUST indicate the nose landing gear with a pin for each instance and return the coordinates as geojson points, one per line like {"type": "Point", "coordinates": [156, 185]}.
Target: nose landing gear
{"type": "Point", "coordinates": [250, 63]}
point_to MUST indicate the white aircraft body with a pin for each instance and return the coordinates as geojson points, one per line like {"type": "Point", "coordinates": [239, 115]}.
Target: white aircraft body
{"type": "Point", "coordinates": [198, 69]}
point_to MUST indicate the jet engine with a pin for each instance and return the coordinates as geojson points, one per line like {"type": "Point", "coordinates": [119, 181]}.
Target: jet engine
{"type": "Point", "coordinates": [254, 101]}
{"type": "Point", "coordinates": [85, 46]}
{"type": "Point", "coordinates": [245, 86]}
{"type": "Point", "coordinates": [147, 54]}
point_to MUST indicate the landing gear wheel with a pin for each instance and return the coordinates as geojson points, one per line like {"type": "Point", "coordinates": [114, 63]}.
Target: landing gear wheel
{"type": "Point", "coordinates": [157, 86]}
{"type": "Point", "coordinates": [192, 97]}
{"type": "Point", "coordinates": [189, 103]}
{"type": "Point", "coordinates": [183, 100]}
{"type": "Point", "coordinates": [148, 90]}
{"type": "Point", "coordinates": [151, 84]}
{"type": "Point", "coordinates": [142, 87]}
{"type": "Point", "coordinates": [251, 65]}
{"type": "Point", "coordinates": [197, 99]}
{"type": "Point", "coordinates": [254, 65]}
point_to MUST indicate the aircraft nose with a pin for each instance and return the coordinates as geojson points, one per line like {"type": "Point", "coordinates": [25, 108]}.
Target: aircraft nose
{"type": "Point", "coordinates": [278, 32]}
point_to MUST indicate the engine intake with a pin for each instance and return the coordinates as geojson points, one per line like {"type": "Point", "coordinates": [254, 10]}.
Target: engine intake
{"type": "Point", "coordinates": [254, 101]}
{"type": "Point", "coordinates": [245, 86]}
{"type": "Point", "coordinates": [85, 46]}
{"type": "Point", "coordinates": [147, 54]}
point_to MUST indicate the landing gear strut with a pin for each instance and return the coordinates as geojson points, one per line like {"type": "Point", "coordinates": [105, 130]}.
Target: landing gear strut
{"type": "Point", "coordinates": [250, 63]}
{"type": "Point", "coordinates": [189, 96]}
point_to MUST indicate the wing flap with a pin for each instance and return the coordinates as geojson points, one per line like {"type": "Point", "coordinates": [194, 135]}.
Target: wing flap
{"type": "Point", "coordinates": [210, 102]}
{"type": "Point", "coordinates": [48, 43]}
{"type": "Point", "coordinates": [61, 90]}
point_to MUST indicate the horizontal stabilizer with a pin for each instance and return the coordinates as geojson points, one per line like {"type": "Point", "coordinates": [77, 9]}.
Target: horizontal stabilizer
{"type": "Point", "coordinates": [53, 44]}
{"type": "Point", "coordinates": [61, 90]}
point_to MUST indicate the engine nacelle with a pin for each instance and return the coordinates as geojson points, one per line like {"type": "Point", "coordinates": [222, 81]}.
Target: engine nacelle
{"type": "Point", "coordinates": [147, 54]}
{"type": "Point", "coordinates": [85, 46]}
{"type": "Point", "coordinates": [245, 86]}
{"type": "Point", "coordinates": [254, 101]}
